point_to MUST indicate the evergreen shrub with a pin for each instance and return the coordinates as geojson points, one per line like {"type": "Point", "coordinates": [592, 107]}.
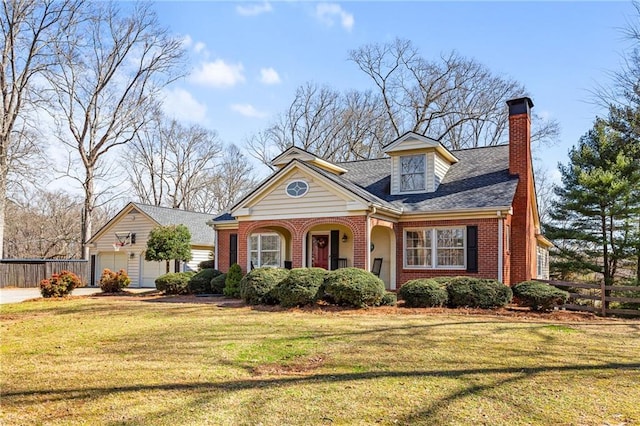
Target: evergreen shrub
{"type": "Point", "coordinates": [255, 287]}
{"type": "Point", "coordinates": [423, 293]}
{"type": "Point", "coordinates": [538, 296]}
{"type": "Point", "coordinates": [353, 287]}
{"type": "Point", "coordinates": [477, 293]}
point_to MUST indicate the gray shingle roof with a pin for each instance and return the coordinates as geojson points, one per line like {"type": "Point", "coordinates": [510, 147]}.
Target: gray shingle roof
{"type": "Point", "coordinates": [201, 233]}
{"type": "Point", "coordinates": [480, 179]}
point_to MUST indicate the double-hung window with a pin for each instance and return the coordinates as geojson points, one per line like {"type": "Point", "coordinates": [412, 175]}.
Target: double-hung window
{"type": "Point", "coordinates": [264, 250]}
{"type": "Point", "coordinates": [412, 173]}
{"type": "Point", "coordinates": [435, 248]}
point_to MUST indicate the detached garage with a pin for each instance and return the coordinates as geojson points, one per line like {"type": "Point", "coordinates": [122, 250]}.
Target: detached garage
{"type": "Point", "coordinates": [120, 244]}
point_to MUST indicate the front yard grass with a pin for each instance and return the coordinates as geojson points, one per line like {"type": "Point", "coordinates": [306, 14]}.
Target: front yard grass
{"type": "Point", "coordinates": [110, 361]}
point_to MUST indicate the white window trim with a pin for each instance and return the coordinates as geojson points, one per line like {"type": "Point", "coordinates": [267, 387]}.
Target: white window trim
{"type": "Point", "coordinates": [260, 235]}
{"type": "Point", "coordinates": [413, 191]}
{"type": "Point", "coordinates": [434, 249]}
{"type": "Point", "coordinates": [286, 188]}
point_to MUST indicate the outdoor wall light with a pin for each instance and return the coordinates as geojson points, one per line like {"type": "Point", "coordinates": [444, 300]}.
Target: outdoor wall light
{"type": "Point", "coordinates": [344, 238]}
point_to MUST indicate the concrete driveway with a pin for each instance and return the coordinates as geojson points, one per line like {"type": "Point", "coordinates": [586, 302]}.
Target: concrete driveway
{"type": "Point", "coordinates": [15, 295]}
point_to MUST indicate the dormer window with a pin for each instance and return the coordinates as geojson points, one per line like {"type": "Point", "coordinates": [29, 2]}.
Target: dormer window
{"type": "Point", "coordinates": [412, 173]}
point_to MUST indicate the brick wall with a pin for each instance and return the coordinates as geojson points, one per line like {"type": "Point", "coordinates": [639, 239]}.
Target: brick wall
{"type": "Point", "coordinates": [487, 250]}
{"type": "Point", "coordinates": [297, 229]}
{"type": "Point", "coordinates": [522, 230]}
{"type": "Point", "coordinates": [222, 262]}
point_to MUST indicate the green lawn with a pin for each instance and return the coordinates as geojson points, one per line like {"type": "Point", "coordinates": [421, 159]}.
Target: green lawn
{"type": "Point", "coordinates": [109, 361]}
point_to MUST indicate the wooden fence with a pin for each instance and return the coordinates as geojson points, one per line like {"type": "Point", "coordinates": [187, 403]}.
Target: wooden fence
{"type": "Point", "coordinates": [596, 297]}
{"type": "Point", "coordinates": [27, 273]}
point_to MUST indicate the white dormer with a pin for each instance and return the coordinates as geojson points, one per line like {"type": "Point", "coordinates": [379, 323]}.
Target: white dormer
{"type": "Point", "coordinates": [295, 153]}
{"type": "Point", "coordinates": [418, 163]}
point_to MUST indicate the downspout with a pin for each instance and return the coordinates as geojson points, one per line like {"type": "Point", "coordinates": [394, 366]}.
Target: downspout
{"type": "Point", "coordinates": [500, 246]}
{"type": "Point", "coordinates": [215, 247]}
{"type": "Point", "coordinates": [367, 257]}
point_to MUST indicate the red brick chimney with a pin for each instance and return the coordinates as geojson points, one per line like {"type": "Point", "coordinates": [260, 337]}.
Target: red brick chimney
{"type": "Point", "coordinates": [522, 228]}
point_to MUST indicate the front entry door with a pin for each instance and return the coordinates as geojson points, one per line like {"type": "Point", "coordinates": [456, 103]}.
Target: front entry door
{"type": "Point", "coordinates": [320, 251]}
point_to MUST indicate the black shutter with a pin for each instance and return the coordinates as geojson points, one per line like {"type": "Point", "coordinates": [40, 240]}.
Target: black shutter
{"type": "Point", "coordinates": [92, 279]}
{"type": "Point", "coordinates": [472, 249]}
{"type": "Point", "coordinates": [233, 249]}
{"type": "Point", "coordinates": [335, 249]}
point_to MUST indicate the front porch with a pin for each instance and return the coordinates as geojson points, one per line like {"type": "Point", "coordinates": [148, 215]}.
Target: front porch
{"type": "Point", "coordinates": [328, 243]}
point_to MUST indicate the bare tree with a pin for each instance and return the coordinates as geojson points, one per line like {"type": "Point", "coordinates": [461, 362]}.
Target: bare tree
{"type": "Point", "coordinates": [170, 163]}
{"type": "Point", "coordinates": [232, 178]}
{"type": "Point", "coordinates": [110, 69]}
{"type": "Point", "coordinates": [453, 99]}
{"type": "Point", "coordinates": [28, 28]}
{"type": "Point", "coordinates": [43, 224]}
{"type": "Point", "coordinates": [336, 126]}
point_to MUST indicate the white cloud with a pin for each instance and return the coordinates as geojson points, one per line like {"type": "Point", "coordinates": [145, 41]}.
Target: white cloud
{"type": "Point", "coordinates": [269, 76]}
{"type": "Point", "coordinates": [248, 110]}
{"type": "Point", "coordinates": [187, 41]}
{"type": "Point", "coordinates": [181, 105]}
{"type": "Point", "coordinates": [254, 9]}
{"type": "Point", "coordinates": [327, 13]}
{"type": "Point", "coordinates": [218, 74]}
{"type": "Point", "coordinates": [199, 47]}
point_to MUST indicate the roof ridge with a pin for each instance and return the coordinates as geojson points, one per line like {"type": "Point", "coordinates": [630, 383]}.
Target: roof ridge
{"type": "Point", "coordinates": [171, 209]}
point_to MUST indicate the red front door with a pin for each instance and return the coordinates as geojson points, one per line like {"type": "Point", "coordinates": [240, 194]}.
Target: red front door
{"type": "Point", "coordinates": [320, 251]}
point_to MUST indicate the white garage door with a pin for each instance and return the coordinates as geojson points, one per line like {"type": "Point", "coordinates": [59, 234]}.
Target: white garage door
{"type": "Point", "coordinates": [151, 271]}
{"type": "Point", "coordinates": [114, 261]}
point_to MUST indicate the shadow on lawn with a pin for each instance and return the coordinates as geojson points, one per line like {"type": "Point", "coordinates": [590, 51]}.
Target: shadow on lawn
{"type": "Point", "coordinates": [238, 385]}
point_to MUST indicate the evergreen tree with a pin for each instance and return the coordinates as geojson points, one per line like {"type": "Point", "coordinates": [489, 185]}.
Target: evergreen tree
{"type": "Point", "coordinates": [172, 242]}
{"type": "Point", "coordinates": [598, 205]}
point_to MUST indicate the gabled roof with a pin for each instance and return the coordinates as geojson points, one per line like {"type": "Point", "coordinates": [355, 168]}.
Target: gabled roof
{"type": "Point", "coordinates": [295, 153]}
{"type": "Point", "coordinates": [354, 190]}
{"type": "Point", "coordinates": [412, 141]}
{"type": "Point", "coordinates": [479, 180]}
{"type": "Point", "coordinates": [201, 233]}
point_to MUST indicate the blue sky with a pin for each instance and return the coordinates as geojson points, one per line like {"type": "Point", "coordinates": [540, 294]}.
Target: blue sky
{"type": "Point", "coordinates": [248, 58]}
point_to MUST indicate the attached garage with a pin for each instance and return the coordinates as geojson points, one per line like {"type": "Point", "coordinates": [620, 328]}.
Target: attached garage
{"type": "Point", "coordinates": [151, 271]}
{"type": "Point", "coordinates": [135, 221]}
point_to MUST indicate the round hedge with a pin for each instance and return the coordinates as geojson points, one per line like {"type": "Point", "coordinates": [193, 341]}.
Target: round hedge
{"type": "Point", "coordinates": [200, 283]}
{"type": "Point", "coordinates": [217, 284]}
{"type": "Point", "coordinates": [256, 285]}
{"type": "Point", "coordinates": [301, 287]}
{"type": "Point", "coordinates": [477, 293]}
{"type": "Point", "coordinates": [206, 264]}
{"type": "Point", "coordinates": [174, 282]}
{"type": "Point", "coordinates": [423, 293]}
{"type": "Point", "coordinates": [539, 296]}
{"type": "Point", "coordinates": [353, 287]}
{"type": "Point", "coordinates": [389, 299]}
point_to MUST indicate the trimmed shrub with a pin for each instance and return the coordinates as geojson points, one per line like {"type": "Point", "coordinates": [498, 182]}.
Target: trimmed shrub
{"type": "Point", "coordinates": [256, 285]}
{"type": "Point", "coordinates": [232, 282]}
{"type": "Point", "coordinates": [60, 285]}
{"type": "Point", "coordinates": [174, 282]}
{"type": "Point", "coordinates": [114, 282]}
{"type": "Point", "coordinates": [217, 284]}
{"type": "Point", "coordinates": [477, 293]}
{"type": "Point", "coordinates": [206, 264]}
{"type": "Point", "coordinates": [200, 283]}
{"type": "Point", "coordinates": [389, 299]}
{"type": "Point", "coordinates": [539, 296]}
{"type": "Point", "coordinates": [442, 280]}
{"type": "Point", "coordinates": [423, 293]}
{"type": "Point", "coordinates": [300, 287]}
{"type": "Point", "coordinates": [353, 287]}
